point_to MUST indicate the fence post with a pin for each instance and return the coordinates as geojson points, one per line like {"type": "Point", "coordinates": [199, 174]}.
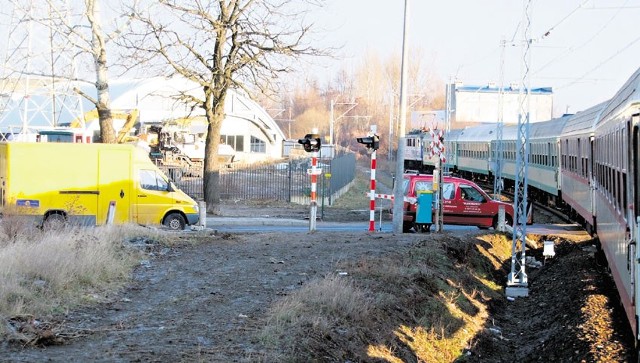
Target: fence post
{"type": "Point", "coordinates": [202, 210]}
{"type": "Point", "coordinates": [111, 212]}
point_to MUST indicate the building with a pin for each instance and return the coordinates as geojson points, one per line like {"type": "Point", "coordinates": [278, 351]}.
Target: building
{"type": "Point", "coordinates": [480, 104]}
{"type": "Point", "coordinates": [247, 127]}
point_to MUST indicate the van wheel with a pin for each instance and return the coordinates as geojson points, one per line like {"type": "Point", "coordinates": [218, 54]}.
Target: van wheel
{"type": "Point", "coordinates": [507, 221]}
{"type": "Point", "coordinates": [54, 221]}
{"type": "Point", "coordinates": [174, 221]}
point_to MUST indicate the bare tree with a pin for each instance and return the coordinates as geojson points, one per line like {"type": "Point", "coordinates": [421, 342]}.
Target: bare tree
{"type": "Point", "coordinates": [97, 47]}
{"type": "Point", "coordinates": [220, 45]}
{"type": "Point", "coordinates": [79, 26]}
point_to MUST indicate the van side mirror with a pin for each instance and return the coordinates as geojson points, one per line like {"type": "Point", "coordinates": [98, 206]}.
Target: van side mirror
{"type": "Point", "coordinates": [171, 187]}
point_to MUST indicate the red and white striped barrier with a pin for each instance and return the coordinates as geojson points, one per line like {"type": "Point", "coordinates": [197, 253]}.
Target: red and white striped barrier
{"type": "Point", "coordinates": [390, 197]}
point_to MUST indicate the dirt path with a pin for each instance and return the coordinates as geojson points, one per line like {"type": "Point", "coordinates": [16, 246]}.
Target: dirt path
{"type": "Point", "coordinates": [204, 301]}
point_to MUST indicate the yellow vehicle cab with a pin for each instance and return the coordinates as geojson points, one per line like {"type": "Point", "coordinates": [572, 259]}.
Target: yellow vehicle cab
{"type": "Point", "coordinates": [89, 184]}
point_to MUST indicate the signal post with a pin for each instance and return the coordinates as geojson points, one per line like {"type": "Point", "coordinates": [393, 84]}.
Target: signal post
{"type": "Point", "coordinates": [372, 143]}
{"type": "Point", "coordinates": [311, 143]}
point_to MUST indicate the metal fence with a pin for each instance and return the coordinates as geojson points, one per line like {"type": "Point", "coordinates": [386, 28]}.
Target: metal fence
{"type": "Point", "coordinates": [285, 181]}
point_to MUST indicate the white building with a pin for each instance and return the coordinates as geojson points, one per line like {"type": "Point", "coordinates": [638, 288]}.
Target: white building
{"type": "Point", "coordinates": [247, 127]}
{"type": "Point", "coordinates": [479, 104]}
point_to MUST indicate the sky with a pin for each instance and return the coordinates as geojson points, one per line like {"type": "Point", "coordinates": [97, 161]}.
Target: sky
{"type": "Point", "coordinates": [584, 49]}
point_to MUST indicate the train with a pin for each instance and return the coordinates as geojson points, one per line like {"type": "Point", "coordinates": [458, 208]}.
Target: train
{"type": "Point", "coordinates": [585, 164]}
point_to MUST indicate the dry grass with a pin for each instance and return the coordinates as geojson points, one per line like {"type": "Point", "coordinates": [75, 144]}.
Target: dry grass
{"type": "Point", "coordinates": [425, 303]}
{"type": "Point", "coordinates": [43, 273]}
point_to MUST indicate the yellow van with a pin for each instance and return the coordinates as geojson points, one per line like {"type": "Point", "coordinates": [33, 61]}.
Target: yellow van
{"type": "Point", "coordinates": [89, 184]}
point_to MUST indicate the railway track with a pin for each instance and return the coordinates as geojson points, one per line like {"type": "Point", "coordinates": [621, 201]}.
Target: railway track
{"type": "Point", "coordinates": [508, 196]}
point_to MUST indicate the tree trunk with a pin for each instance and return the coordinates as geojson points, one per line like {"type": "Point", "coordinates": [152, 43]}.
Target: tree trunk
{"type": "Point", "coordinates": [215, 115]}
{"type": "Point", "coordinates": [99, 51]}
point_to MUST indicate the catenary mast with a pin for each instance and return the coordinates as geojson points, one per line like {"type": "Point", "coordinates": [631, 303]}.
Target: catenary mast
{"type": "Point", "coordinates": [517, 284]}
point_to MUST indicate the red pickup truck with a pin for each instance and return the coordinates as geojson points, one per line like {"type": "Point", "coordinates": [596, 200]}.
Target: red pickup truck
{"type": "Point", "coordinates": [465, 203]}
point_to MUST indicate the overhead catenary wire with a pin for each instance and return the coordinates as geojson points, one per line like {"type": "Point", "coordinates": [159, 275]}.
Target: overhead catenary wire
{"type": "Point", "coordinates": [600, 64]}
{"type": "Point", "coordinates": [589, 40]}
{"type": "Point", "coordinates": [548, 32]}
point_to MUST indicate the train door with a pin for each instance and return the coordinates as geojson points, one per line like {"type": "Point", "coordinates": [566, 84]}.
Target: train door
{"type": "Point", "coordinates": [592, 186]}
{"type": "Point", "coordinates": [634, 165]}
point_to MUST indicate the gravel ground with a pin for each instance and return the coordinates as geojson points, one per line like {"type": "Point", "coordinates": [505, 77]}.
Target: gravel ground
{"type": "Point", "coordinates": [205, 301]}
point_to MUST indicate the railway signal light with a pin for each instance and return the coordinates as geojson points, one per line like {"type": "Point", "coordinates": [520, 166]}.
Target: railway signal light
{"type": "Point", "coordinates": [371, 142]}
{"type": "Point", "coordinates": [310, 142]}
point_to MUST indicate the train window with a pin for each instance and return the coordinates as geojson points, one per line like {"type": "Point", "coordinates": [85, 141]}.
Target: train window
{"type": "Point", "coordinates": [620, 191]}
{"type": "Point", "coordinates": [614, 188]}
{"type": "Point", "coordinates": [610, 181]}
{"type": "Point", "coordinates": [625, 147]}
{"type": "Point", "coordinates": [618, 148]}
{"type": "Point", "coordinates": [578, 157]}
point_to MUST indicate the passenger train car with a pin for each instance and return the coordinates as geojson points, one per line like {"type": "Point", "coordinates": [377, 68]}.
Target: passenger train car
{"type": "Point", "coordinates": [543, 176]}
{"type": "Point", "coordinates": [615, 166]}
{"type": "Point", "coordinates": [588, 164]}
{"type": "Point", "coordinates": [576, 141]}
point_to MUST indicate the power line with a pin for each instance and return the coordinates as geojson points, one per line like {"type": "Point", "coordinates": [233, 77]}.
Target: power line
{"type": "Point", "coordinates": [572, 49]}
{"type": "Point", "coordinates": [601, 64]}
{"type": "Point", "coordinates": [546, 34]}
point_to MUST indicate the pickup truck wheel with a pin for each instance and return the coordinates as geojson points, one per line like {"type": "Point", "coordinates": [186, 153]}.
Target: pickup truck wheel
{"type": "Point", "coordinates": [174, 221]}
{"type": "Point", "coordinates": [54, 221]}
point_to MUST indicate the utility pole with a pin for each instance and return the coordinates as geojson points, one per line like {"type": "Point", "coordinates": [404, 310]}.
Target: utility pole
{"type": "Point", "coordinates": [447, 123]}
{"type": "Point", "coordinates": [517, 284]}
{"type": "Point", "coordinates": [398, 190]}
{"type": "Point", "coordinates": [498, 157]}
{"type": "Point", "coordinates": [392, 104]}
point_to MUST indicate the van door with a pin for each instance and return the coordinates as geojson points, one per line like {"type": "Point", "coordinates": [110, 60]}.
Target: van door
{"type": "Point", "coordinates": [153, 197]}
{"type": "Point", "coordinates": [448, 198]}
{"type": "Point", "coordinates": [472, 206]}
{"type": "Point", "coordinates": [114, 183]}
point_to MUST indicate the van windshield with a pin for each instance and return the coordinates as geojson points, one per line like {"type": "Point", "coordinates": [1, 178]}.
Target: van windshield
{"type": "Point", "coordinates": [151, 180]}
{"type": "Point", "coordinates": [422, 185]}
